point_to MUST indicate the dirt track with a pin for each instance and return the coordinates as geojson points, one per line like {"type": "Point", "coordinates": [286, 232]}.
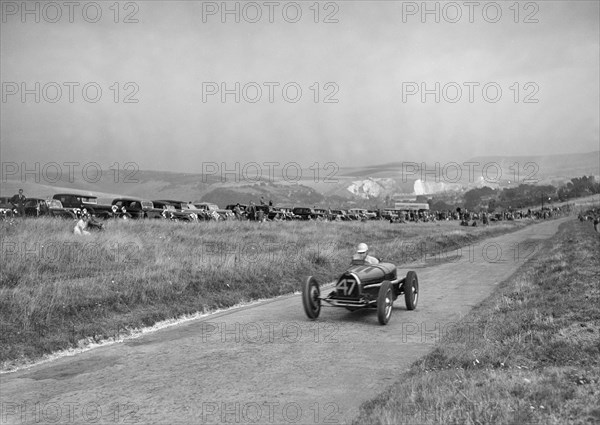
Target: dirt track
{"type": "Point", "coordinates": [265, 363]}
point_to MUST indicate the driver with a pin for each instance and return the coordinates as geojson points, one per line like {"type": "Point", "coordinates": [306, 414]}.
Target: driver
{"type": "Point", "coordinates": [362, 254]}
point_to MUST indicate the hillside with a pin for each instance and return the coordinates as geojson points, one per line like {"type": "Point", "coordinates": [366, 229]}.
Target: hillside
{"type": "Point", "coordinates": [342, 186]}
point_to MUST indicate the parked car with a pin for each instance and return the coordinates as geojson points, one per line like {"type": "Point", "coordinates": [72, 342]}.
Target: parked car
{"type": "Point", "coordinates": [171, 210]}
{"type": "Point", "coordinates": [361, 214]}
{"type": "Point", "coordinates": [242, 207]}
{"type": "Point", "coordinates": [7, 210]}
{"type": "Point", "coordinates": [137, 208]}
{"type": "Point", "coordinates": [77, 203]}
{"type": "Point", "coordinates": [37, 207]}
{"type": "Point", "coordinates": [281, 213]}
{"type": "Point", "coordinates": [226, 214]}
{"type": "Point", "coordinates": [340, 215]}
{"type": "Point", "coordinates": [205, 210]}
{"type": "Point", "coordinates": [304, 213]}
{"type": "Point", "coordinates": [389, 214]}
{"type": "Point", "coordinates": [374, 215]}
{"type": "Point", "coordinates": [207, 206]}
{"type": "Point", "coordinates": [321, 214]}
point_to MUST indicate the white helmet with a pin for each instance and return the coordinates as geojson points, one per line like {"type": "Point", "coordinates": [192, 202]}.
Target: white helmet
{"type": "Point", "coordinates": [362, 248]}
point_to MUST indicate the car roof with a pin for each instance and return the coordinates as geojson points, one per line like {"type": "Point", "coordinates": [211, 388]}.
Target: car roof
{"type": "Point", "coordinates": [76, 194]}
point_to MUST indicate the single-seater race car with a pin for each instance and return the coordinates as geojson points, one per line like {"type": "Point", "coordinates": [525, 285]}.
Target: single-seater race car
{"type": "Point", "coordinates": [364, 286]}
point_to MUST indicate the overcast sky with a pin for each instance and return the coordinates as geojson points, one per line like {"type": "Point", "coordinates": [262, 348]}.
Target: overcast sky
{"type": "Point", "coordinates": [376, 59]}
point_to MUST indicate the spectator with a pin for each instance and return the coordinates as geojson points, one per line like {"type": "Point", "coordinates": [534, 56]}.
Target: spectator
{"type": "Point", "coordinates": [18, 202]}
{"type": "Point", "coordinates": [251, 211]}
{"type": "Point", "coordinates": [81, 225]}
{"type": "Point", "coordinates": [237, 211]}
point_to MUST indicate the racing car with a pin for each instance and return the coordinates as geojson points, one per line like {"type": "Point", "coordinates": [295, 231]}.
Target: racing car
{"type": "Point", "coordinates": [364, 286]}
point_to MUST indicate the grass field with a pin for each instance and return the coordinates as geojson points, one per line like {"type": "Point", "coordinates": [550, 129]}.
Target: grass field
{"type": "Point", "coordinates": [58, 289]}
{"type": "Point", "coordinates": [536, 359]}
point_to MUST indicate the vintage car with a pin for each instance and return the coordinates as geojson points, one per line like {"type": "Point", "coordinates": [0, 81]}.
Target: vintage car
{"type": "Point", "coordinates": [206, 211]}
{"type": "Point", "coordinates": [361, 214]}
{"type": "Point", "coordinates": [136, 208]}
{"type": "Point", "coordinates": [37, 207]}
{"type": "Point", "coordinates": [281, 213]}
{"type": "Point", "coordinates": [340, 215]}
{"type": "Point", "coordinates": [364, 286]}
{"type": "Point", "coordinates": [171, 210]}
{"type": "Point", "coordinates": [304, 213]}
{"type": "Point", "coordinates": [225, 214]}
{"type": "Point", "coordinates": [7, 210]}
{"type": "Point", "coordinates": [76, 203]}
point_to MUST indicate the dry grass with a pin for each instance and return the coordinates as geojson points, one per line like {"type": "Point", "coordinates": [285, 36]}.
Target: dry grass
{"type": "Point", "coordinates": [537, 357]}
{"type": "Point", "coordinates": [57, 288]}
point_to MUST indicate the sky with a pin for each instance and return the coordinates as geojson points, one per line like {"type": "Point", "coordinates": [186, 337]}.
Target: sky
{"type": "Point", "coordinates": [170, 86]}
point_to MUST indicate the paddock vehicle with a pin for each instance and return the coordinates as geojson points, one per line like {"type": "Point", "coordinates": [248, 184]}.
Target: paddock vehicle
{"type": "Point", "coordinates": [37, 207]}
{"type": "Point", "coordinates": [389, 214]}
{"type": "Point", "coordinates": [360, 214]}
{"type": "Point", "coordinates": [304, 213]}
{"type": "Point", "coordinates": [361, 286]}
{"type": "Point", "coordinates": [7, 209]}
{"type": "Point", "coordinates": [232, 206]}
{"type": "Point", "coordinates": [206, 206]}
{"type": "Point", "coordinates": [171, 210]}
{"type": "Point", "coordinates": [340, 215]}
{"type": "Point", "coordinates": [321, 213]}
{"type": "Point", "coordinates": [281, 213]}
{"type": "Point", "coordinates": [138, 209]}
{"type": "Point", "coordinates": [207, 211]}
{"type": "Point", "coordinates": [77, 203]}
{"type": "Point", "coordinates": [226, 214]}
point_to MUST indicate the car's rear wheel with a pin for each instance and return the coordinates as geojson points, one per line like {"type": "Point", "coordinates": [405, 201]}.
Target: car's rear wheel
{"type": "Point", "coordinates": [385, 301]}
{"type": "Point", "coordinates": [411, 290]}
{"type": "Point", "coordinates": [311, 298]}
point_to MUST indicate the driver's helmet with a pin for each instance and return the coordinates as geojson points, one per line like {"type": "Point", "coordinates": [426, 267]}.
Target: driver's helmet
{"type": "Point", "coordinates": [362, 248]}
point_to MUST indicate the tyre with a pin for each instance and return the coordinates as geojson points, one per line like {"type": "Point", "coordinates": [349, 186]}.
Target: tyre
{"type": "Point", "coordinates": [311, 298]}
{"type": "Point", "coordinates": [385, 301]}
{"type": "Point", "coordinates": [411, 290]}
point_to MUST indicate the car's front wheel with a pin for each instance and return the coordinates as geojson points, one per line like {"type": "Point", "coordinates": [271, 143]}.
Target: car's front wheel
{"type": "Point", "coordinates": [311, 298]}
{"type": "Point", "coordinates": [411, 290]}
{"type": "Point", "coordinates": [385, 301]}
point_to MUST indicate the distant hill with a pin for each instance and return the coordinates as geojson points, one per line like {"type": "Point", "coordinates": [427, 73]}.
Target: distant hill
{"type": "Point", "coordinates": [345, 186]}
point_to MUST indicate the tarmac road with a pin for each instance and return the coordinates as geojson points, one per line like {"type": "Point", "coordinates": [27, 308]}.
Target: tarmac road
{"type": "Point", "coordinates": [266, 363]}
